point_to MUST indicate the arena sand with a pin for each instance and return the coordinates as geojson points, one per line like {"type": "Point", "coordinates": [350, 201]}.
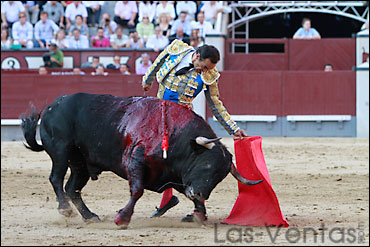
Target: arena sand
{"type": "Point", "coordinates": [320, 183]}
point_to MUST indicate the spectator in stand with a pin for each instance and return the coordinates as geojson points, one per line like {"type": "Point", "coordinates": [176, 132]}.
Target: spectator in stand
{"type": "Point", "coordinates": [134, 41]}
{"type": "Point", "coordinates": [60, 39]}
{"type": "Point", "coordinates": [328, 67]}
{"type": "Point", "coordinates": [116, 63]}
{"type": "Point", "coordinates": [73, 9]}
{"type": "Point", "coordinates": [10, 11]}
{"type": "Point", "coordinates": [108, 25]}
{"type": "Point", "coordinates": [142, 68]}
{"type": "Point", "coordinates": [22, 32]}
{"type": "Point", "coordinates": [55, 57]}
{"type": "Point", "coordinates": [45, 29]}
{"type": "Point", "coordinates": [78, 41]}
{"type": "Point", "coordinates": [108, 7]}
{"type": "Point", "coordinates": [55, 11]}
{"type": "Point", "coordinates": [124, 69]}
{"type": "Point", "coordinates": [306, 31]}
{"type": "Point", "coordinates": [164, 24]}
{"type": "Point", "coordinates": [145, 28]}
{"type": "Point", "coordinates": [164, 7]}
{"type": "Point", "coordinates": [211, 9]}
{"type": "Point", "coordinates": [95, 62]}
{"type": "Point", "coordinates": [190, 7]}
{"type": "Point", "coordinates": [78, 71]}
{"type": "Point", "coordinates": [125, 13]}
{"type": "Point", "coordinates": [32, 10]}
{"type": "Point", "coordinates": [195, 39]}
{"type": "Point", "coordinates": [180, 35]}
{"type": "Point", "coordinates": [157, 41]}
{"type": "Point", "coordinates": [118, 40]}
{"type": "Point", "coordinates": [66, 3]}
{"type": "Point", "coordinates": [181, 21]}
{"type": "Point", "coordinates": [80, 25]}
{"type": "Point", "coordinates": [99, 71]}
{"type": "Point", "coordinates": [93, 12]}
{"type": "Point", "coordinates": [43, 70]}
{"type": "Point", "coordinates": [6, 41]}
{"type": "Point", "coordinates": [99, 40]}
{"type": "Point", "coordinates": [205, 27]}
{"type": "Point", "coordinates": [147, 8]}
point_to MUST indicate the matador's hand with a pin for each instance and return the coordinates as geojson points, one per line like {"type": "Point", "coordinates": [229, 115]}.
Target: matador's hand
{"type": "Point", "coordinates": [146, 87]}
{"type": "Point", "coordinates": [240, 133]}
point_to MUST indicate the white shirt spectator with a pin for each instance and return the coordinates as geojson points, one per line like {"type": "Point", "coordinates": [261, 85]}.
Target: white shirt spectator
{"type": "Point", "coordinates": [155, 42]}
{"type": "Point", "coordinates": [45, 30]}
{"type": "Point", "coordinates": [125, 10]}
{"type": "Point", "coordinates": [136, 45]}
{"type": "Point", "coordinates": [210, 9]}
{"type": "Point", "coordinates": [12, 11]}
{"type": "Point", "coordinates": [118, 41]}
{"type": "Point", "coordinates": [81, 43]}
{"type": "Point", "coordinates": [188, 6]}
{"type": "Point", "coordinates": [7, 44]}
{"type": "Point", "coordinates": [22, 32]}
{"type": "Point", "coordinates": [113, 26]}
{"type": "Point", "coordinates": [64, 43]}
{"type": "Point", "coordinates": [72, 11]}
{"type": "Point", "coordinates": [205, 28]}
{"type": "Point", "coordinates": [146, 8]}
{"type": "Point", "coordinates": [185, 25]}
{"type": "Point", "coordinates": [169, 9]}
{"type": "Point", "coordinates": [57, 9]}
{"type": "Point", "coordinates": [93, 4]}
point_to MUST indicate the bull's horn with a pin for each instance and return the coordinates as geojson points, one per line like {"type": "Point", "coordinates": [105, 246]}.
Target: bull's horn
{"type": "Point", "coordinates": [205, 142]}
{"type": "Point", "coordinates": [240, 178]}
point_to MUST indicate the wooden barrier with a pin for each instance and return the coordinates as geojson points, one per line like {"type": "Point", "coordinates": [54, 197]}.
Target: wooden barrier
{"type": "Point", "coordinates": [297, 55]}
{"type": "Point", "coordinates": [277, 93]}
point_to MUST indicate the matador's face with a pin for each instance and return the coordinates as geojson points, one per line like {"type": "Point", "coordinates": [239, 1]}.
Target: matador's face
{"type": "Point", "coordinates": [202, 65]}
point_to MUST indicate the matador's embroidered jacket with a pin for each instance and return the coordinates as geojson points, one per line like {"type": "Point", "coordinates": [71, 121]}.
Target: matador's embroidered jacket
{"type": "Point", "coordinates": [184, 88]}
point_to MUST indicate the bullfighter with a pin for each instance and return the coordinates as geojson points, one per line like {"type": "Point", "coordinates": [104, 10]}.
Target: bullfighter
{"type": "Point", "coordinates": [182, 73]}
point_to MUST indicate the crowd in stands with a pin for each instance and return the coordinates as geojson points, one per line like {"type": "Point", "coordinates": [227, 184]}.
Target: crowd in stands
{"type": "Point", "coordinates": [105, 24]}
{"type": "Point", "coordinates": [59, 25]}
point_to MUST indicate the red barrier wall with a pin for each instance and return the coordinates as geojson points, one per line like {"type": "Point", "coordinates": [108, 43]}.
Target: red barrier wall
{"type": "Point", "coordinates": [297, 55]}
{"type": "Point", "coordinates": [319, 93]}
{"type": "Point", "coordinates": [314, 54]}
{"type": "Point", "coordinates": [18, 90]}
{"type": "Point", "coordinates": [278, 93]}
{"type": "Point", "coordinates": [284, 93]}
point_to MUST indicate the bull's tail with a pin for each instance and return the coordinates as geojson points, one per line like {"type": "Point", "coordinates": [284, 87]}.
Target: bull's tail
{"type": "Point", "coordinates": [29, 125]}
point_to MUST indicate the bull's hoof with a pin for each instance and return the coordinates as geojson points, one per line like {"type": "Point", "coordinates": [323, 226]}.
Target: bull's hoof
{"type": "Point", "coordinates": [199, 218]}
{"type": "Point", "coordinates": [196, 216]}
{"type": "Point", "coordinates": [93, 219]}
{"type": "Point", "coordinates": [120, 222]}
{"type": "Point", "coordinates": [68, 212]}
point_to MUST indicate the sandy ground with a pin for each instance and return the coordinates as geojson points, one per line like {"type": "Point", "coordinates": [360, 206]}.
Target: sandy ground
{"type": "Point", "coordinates": [320, 183]}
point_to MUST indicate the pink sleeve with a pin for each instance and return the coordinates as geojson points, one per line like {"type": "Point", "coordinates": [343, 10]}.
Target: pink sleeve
{"type": "Point", "coordinates": [107, 42]}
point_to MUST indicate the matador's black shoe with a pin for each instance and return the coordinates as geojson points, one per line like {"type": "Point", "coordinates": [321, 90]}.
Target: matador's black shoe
{"type": "Point", "coordinates": [195, 216]}
{"type": "Point", "coordinates": [171, 203]}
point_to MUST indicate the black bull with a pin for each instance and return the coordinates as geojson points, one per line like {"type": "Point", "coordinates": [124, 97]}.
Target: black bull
{"type": "Point", "coordinates": [95, 133]}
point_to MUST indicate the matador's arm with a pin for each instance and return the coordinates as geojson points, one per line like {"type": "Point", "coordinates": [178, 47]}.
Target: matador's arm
{"type": "Point", "coordinates": [218, 110]}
